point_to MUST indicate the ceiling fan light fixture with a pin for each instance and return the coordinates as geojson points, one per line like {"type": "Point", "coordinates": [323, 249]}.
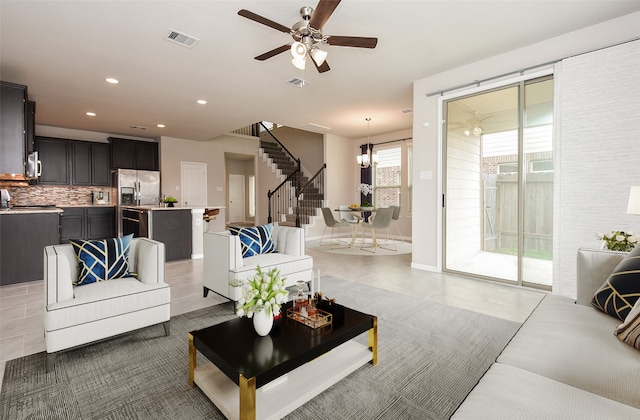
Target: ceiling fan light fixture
{"type": "Point", "coordinates": [298, 50]}
{"type": "Point", "coordinates": [318, 56]}
{"type": "Point", "coordinates": [477, 131]}
{"type": "Point", "coordinates": [299, 62]}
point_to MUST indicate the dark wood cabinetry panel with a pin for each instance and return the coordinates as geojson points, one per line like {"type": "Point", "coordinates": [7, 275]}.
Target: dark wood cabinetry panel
{"type": "Point", "coordinates": [147, 156]}
{"type": "Point", "coordinates": [87, 223]}
{"type": "Point", "coordinates": [173, 228]}
{"type": "Point", "coordinates": [72, 224]}
{"type": "Point", "coordinates": [101, 222]}
{"type": "Point", "coordinates": [100, 167]}
{"type": "Point", "coordinates": [22, 241]}
{"type": "Point", "coordinates": [80, 163]}
{"type": "Point", "coordinates": [13, 120]}
{"type": "Point", "coordinates": [73, 162]}
{"type": "Point", "coordinates": [123, 154]}
{"type": "Point", "coordinates": [55, 157]}
{"type": "Point", "coordinates": [134, 154]}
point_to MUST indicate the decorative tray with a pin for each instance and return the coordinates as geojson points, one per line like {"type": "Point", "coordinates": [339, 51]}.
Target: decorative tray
{"type": "Point", "coordinates": [320, 319]}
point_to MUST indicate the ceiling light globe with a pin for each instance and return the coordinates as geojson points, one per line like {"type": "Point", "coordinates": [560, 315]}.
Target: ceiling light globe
{"type": "Point", "coordinates": [299, 62]}
{"type": "Point", "coordinates": [298, 50]}
{"type": "Point", "coordinates": [318, 56]}
{"type": "Point", "coordinates": [477, 131]}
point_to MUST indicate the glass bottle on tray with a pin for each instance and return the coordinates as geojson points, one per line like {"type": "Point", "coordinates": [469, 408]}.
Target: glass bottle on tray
{"type": "Point", "coordinates": [300, 299]}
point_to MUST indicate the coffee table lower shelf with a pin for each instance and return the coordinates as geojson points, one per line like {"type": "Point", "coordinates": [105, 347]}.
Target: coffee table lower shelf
{"type": "Point", "coordinates": [280, 397]}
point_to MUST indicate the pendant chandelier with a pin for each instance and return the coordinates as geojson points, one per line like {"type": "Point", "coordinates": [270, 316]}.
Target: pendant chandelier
{"type": "Point", "coordinates": [367, 158]}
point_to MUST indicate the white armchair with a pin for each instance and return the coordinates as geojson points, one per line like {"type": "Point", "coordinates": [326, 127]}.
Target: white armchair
{"type": "Point", "coordinates": [78, 315]}
{"type": "Point", "coordinates": [223, 262]}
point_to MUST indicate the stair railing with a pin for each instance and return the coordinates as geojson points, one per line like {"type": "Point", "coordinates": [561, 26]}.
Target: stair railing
{"type": "Point", "coordinates": [284, 193]}
{"type": "Point", "coordinates": [315, 194]}
{"type": "Point", "coordinates": [280, 144]}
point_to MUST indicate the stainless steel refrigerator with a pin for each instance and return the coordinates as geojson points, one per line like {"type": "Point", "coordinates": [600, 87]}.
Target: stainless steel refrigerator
{"type": "Point", "coordinates": [136, 188]}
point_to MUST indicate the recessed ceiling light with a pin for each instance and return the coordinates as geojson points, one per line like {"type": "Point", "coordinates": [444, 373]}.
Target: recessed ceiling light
{"type": "Point", "coordinates": [201, 101]}
{"type": "Point", "coordinates": [91, 114]}
{"type": "Point", "coordinates": [112, 80]}
{"type": "Point", "coordinates": [160, 125]}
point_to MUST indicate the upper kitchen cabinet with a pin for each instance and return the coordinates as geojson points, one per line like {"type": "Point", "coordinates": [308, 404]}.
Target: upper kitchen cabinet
{"type": "Point", "coordinates": [73, 162]}
{"type": "Point", "coordinates": [90, 163]}
{"type": "Point", "coordinates": [54, 155]}
{"type": "Point", "coordinates": [13, 123]}
{"type": "Point", "coordinates": [133, 154]}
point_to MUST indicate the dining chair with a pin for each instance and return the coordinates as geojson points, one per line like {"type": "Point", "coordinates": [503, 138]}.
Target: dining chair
{"type": "Point", "coordinates": [394, 222]}
{"type": "Point", "coordinates": [352, 217]}
{"type": "Point", "coordinates": [380, 223]}
{"type": "Point", "coordinates": [331, 222]}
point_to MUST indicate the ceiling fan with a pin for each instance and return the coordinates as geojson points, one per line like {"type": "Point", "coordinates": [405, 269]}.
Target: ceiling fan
{"type": "Point", "coordinates": [308, 37]}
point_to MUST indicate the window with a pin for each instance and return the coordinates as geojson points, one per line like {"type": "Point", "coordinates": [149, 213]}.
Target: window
{"type": "Point", "coordinates": [387, 180]}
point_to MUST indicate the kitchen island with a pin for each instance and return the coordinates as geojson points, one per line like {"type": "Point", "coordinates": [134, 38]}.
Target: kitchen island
{"type": "Point", "coordinates": [179, 228]}
{"type": "Point", "coordinates": [24, 232]}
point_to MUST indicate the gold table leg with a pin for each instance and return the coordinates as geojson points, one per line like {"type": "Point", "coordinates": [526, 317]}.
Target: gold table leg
{"type": "Point", "coordinates": [192, 360]}
{"type": "Point", "coordinates": [373, 341]}
{"type": "Point", "coordinates": [247, 398]}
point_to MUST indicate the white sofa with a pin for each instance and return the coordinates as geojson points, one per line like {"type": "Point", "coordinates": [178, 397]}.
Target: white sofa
{"type": "Point", "coordinates": [77, 315]}
{"type": "Point", "coordinates": [564, 362]}
{"type": "Point", "coordinates": [223, 262]}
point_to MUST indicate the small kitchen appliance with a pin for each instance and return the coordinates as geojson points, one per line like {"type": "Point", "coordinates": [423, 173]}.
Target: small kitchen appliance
{"type": "Point", "coordinates": [4, 199]}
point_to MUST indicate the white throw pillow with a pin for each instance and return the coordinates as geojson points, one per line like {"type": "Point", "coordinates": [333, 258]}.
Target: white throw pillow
{"type": "Point", "coordinates": [629, 330]}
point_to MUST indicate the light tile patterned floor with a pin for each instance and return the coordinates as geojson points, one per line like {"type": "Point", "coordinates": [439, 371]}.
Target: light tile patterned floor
{"type": "Point", "coordinates": [22, 305]}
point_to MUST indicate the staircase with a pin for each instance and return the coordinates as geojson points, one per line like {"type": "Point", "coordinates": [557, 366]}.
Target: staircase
{"type": "Point", "coordinates": [308, 202]}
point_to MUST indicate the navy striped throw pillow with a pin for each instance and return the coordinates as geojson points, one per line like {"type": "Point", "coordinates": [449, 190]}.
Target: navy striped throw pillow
{"type": "Point", "coordinates": [102, 260]}
{"type": "Point", "coordinates": [254, 240]}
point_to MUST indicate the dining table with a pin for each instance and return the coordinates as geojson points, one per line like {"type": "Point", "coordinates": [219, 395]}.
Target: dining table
{"type": "Point", "coordinates": [362, 214]}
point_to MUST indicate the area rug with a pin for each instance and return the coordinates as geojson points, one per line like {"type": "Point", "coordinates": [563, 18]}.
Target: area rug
{"type": "Point", "coordinates": [430, 357]}
{"type": "Point", "coordinates": [343, 248]}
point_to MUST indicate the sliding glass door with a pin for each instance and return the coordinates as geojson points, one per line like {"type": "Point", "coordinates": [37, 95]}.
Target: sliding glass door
{"type": "Point", "coordinates": [499, 184]}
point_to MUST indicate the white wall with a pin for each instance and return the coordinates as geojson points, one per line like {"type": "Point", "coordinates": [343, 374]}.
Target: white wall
{"type": "Point", "coordinates": [598, 103]}
{"type": "Point", "coordinates": [174, 150]}
{"type": "Point", "coordinates": [426, 118]}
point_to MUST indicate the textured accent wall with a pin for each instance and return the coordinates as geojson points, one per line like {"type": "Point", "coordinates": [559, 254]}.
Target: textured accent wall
{"type": "Point", "coordinates": [597, 149]}
{"type": "Point", "coordinates": [58, 195]}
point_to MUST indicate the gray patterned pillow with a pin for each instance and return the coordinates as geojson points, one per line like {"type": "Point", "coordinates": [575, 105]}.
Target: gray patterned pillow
{"type": "Point", "coordinates": [622, 289]}
{"type": "Point", "coordinates": [629, 330]}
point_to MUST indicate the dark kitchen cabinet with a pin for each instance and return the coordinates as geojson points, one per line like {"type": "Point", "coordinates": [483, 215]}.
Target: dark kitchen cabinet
{"type": "Point", "coordinates": [173, 228]}
{"type": "Point", "coordinates": [73, 162]}
{"type": "Point", "coordinates": [80, 163]}
{"type": "Point", "coordinates": [87, 223]}
{"type": "Point", "coordinates": [55, 157]}
{"type": "Point", "coordinates": [13, 122]}
{"type": "Point", "coordinates": [22, 241]}
{"type": "Point", "coordinates": [100, 167]}
{"type": "Point", "coordinates": [134, 154]}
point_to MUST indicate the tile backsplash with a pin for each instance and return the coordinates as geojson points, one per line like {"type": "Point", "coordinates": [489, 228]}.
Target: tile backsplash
{"type": "Point", "coordinates": [58, 195]}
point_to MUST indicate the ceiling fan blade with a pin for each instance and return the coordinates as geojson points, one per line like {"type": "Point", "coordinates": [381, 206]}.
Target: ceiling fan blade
{"type": "Point", "coordinates": [322, 13]}
{"type": "Point", "coordinates": [273, 52]}
{"type": "Point", "coordinates": [322, 68]}
{"type": "Point", "coordinates": [264, 21]}
{"type": "Point", "coordinates": [352, 41]}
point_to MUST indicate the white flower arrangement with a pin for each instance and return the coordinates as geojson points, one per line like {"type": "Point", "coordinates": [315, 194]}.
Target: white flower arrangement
{"type": "Point", "coordinates": [365, 189]}
{"type": "Point", "coordinates": [617, 240]}
{"type": "Point", "coordinates": [263, 291]}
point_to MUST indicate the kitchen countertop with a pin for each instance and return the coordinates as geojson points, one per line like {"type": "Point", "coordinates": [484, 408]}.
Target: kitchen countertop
{"type": "Point", "coordinates": [154, 208]}
{"type": "Point", "coordinates": [23, 210]}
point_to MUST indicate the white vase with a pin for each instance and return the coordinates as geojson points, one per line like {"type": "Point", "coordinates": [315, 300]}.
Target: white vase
{"type": "Point", "coordinates": [262, 322]}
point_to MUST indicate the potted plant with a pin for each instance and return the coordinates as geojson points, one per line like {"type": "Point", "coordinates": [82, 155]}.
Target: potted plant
{"type": "Point", "coordinates": [170, 201]}
{"type": "Point", "coordinates": [261, 299]}
{"type": "Point", "coordinates": [617, 240]}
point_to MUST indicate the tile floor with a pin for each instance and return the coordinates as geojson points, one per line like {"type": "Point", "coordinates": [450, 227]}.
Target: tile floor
{"type": "Point", "coordinates": [22, 305]}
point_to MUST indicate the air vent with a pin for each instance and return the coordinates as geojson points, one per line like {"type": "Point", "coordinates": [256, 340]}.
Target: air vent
{"type": "Point", "coordinates": [407, 111]}
{"type": "Point", "coordinates": [297, 82]}
{"type": "Point", "coordinates": [137, 127]}
{"type": "Point", "coordinates": [315, 126]}
{"type": "Point", "coordinates": [182, 38]}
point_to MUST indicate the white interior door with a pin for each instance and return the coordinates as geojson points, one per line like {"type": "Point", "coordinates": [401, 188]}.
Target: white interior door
{"type": "Point", "coordinates": [236, 198]}
{"type": "Point", "coordinates": [194, 183]}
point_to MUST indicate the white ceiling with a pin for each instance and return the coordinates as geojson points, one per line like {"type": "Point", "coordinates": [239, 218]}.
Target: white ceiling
{"type": "Point", "coordinates": [64, 50]}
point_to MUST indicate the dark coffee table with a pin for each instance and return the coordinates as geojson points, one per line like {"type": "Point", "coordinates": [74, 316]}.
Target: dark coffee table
{"type": "Point", "coordinates": [268, 377]}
